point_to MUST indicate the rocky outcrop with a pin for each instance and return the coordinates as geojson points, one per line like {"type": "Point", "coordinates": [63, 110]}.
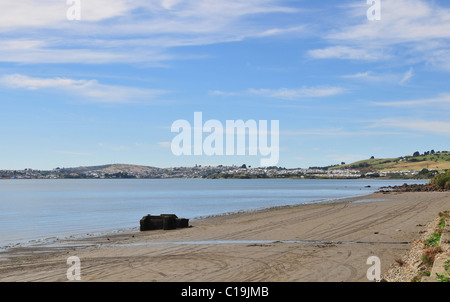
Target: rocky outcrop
{"type": "Point", "coordinates": [412, 188]}
{"type": "Point", "coordinates": [162, 222]}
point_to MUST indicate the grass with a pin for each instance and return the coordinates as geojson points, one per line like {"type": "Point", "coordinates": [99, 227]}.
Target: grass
{"type": "Point", "coordinates": [432, 250]}
{"type": "Point", "coordinates": [445, 277]}
{"type": "Point", "coordinates": [418, 277]}
{"type": "Point", "coordinates": [442, 277]}
{"type": "Point", "coordinates": [441, 223]}
{"type": "Point", "coordinates": [447, 265]}
{"type": "Point", "coordinates": [434, 239]}
{"type": "Point", "coordinates": [437, 161]}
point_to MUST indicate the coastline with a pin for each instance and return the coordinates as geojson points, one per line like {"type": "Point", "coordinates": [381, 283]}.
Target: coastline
{"type": "Point", "coordinates": [315, 242]}
{"type": "Point", "coordinates": [69, 236]}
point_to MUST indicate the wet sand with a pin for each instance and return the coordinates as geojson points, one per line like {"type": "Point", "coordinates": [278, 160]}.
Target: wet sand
{"type": "Point", "coordinates": [320, 242]}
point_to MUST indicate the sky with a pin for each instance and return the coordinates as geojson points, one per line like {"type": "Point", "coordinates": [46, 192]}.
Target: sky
{"type": "Point", "coordinates": [92, 82]}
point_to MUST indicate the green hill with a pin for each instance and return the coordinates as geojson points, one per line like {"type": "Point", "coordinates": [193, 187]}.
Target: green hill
{"type": "Point", "coordinates": [430, 160]}
{"type": "Point", "coordinates": [113, 168]}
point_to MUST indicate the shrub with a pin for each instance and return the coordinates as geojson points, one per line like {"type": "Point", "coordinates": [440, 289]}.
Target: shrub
{"type": "Point", "coordinates": [430, 254]}
{"type": "Point", "coordinates": [442, 180]}
{"type": "Point", "coordinates": [442, 277]}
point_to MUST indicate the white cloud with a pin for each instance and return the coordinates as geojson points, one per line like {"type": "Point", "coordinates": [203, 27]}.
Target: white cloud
{"type": "Point", "coordinates": [286, 93]}
{"type": "Point", "coordinates": [224, 93]}
{"type": "Point", "coordinates": [442, 100]}
{"type": "Point", "coordinates": [294, 94]}
{"type": "Point", "coordinates": [50, 13]}
{"type": "Point", "coordinates": [416, 125]}
{"type": "Point", "coordinates": [338, 132]}
{"type": "Point", "coordinates": [407, 76]}
{"type": "Point", "coordinates": [381, 78]}
{"type": "Point", "coordinates": [401, 21]}
{"type": "Point", "coordinates": [165, 144]}
{"type": "Point", "coordinates": [413, 30]}
{"type": "Point", "coordinates": [90, 90]}
{"type": "Point", "coordinates": [129, 30]}
{"type": "Point", "coordinates": [281, 31]}
{"type": "Point", "coordinates": [346, 52]}
{"type": "Point", "coordinates": [439, 58]}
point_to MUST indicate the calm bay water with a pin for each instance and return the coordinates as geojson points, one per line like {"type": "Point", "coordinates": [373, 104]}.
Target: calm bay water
{"type": "Point", "coordinates": [33, 210]}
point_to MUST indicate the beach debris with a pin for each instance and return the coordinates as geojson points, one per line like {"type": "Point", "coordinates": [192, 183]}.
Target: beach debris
{"type": "Point", "coordinates": [162, 222]}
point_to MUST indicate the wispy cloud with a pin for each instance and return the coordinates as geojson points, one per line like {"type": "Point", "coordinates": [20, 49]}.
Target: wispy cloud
{"type": "Point", "coordinates": [286, 93]}
{"type": "Point", "coordinates": [347, 52]}
{"type": "Point", "coordinates": [402, 21]}
{"type": "Point", "coordinates": [88, 90]}
{"type": "Point", "coordinates": [416, 125]}
{"type": "Point", "coordinates": [407, 76]}
{"type": "Point", "coordinates": [48, 13]}
{"type": "Point", "coordinates": [340, 132]}
{"type": "Point", "coordinates": [442, 100]}
{"type": "Point", "coordinates": [130, 31]}
{"type": "Point", "coordinates": [381, 78]}
{"type": "Point", "coordinates": [165, 144]}
{"type": "Point", "coordinates": [417, 29]}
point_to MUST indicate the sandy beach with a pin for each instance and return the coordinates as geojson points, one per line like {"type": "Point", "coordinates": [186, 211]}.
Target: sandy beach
{"type": "Point", "coordinates": [317, 242]}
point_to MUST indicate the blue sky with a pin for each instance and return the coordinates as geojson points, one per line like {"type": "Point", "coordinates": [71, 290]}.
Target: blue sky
{"type": "Point", "coordinates": [107, 88]}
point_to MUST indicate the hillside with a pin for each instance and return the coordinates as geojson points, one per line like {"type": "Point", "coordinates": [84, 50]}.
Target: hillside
{"type": "Point", "coordinates": [430, 160]}
{"type": "Point", "coordinates": [111, 169]}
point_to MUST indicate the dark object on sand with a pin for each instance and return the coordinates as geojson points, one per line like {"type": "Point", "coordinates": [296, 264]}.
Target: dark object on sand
{"type": "Point", "coordinates": [162, 222]}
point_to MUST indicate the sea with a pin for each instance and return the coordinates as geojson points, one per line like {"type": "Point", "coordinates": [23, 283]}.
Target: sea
{"type": "Point", "coordinates": [33, 211]}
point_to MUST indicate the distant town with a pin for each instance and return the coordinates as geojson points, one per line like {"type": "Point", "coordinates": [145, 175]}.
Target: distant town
{"type": "Point", "coordinates": [211, 172]}
{"type": "Point", "coordinates": [418, 165]}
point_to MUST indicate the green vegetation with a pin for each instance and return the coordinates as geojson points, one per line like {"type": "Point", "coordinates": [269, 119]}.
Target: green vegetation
{"type": "Point", "coordinates": [418, 277]}
{"type": "Point", "coordinates": [434, 240]}
{"type": "Point", "coordinates": [445, 277]}
{"type": "Point", "coordinates": [447, 265]}
{"type": "Point", "coordinates": [441, 223]}
{"type": "Point", "coordinates": [432, 249]}
{"type": "Point", "coordinates": [442, 180]}
{"type": "Point", "coordinates": [430, 162]}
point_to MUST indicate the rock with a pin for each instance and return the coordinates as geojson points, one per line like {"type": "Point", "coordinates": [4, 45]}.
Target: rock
{"type": "Point", "coordinates": [412, 188]}
{"type": "Point", "coordinates": [163, 221]}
